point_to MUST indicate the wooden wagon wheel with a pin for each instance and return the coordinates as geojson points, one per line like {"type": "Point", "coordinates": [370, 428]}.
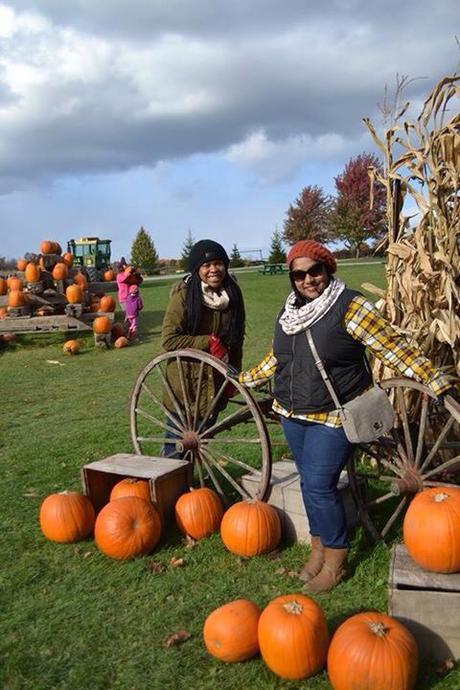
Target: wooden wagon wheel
{"type": "Point", "coordinates": [422, 450]}
{"type": "Point", "coordinates": [226, 443]}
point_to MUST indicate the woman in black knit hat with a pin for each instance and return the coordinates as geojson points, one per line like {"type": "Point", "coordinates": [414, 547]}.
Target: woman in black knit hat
{"type": "Point", "coordinates": [205, 312]}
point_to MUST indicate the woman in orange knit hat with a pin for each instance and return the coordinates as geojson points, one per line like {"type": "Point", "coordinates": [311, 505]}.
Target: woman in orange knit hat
{"type": "Point", "coordinates": [342, 324]}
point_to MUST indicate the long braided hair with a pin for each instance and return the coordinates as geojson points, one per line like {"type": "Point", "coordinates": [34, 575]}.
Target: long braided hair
{"type": "Point", "coordinates": [233, 331]}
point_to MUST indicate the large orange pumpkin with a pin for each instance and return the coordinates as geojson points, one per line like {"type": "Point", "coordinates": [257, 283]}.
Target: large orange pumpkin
{"type": "Point", "coordinates": [293, 636]}
{"type": "Point", "coordinates": [67, 258]}
{"type": "Point", "coordinates": [250, 528]}
{"type": "Point", "coordinates": [199, 512]}
{"type": "Point", "coordinates": [131, 486]}
{"type": "Point", "coordinates": [80, 279]}
{"type": "Point", "coordinates": [3, 286]}
{"type": "Point", "coordinates": [67, 517]}
{"type": "Point", "coordinates": [21, 264]}
{"type": "Point", "coordinates": [74, 294]}
{"type": "Point", "coordinates": [431, 529]}
{"type": "Point", "coordinates": [102, 324]}
{"type": "Point", "coordinates": [71, 347]}
{"type": "Point", "coordinates": [230, 632]}
{"type": "Point", "coordinates": [60, 271]}
{"type": "Point", "coordinates": [127, 527]}
{"type": "Point", "coordinates": [109, 275]}
{"type": "Point", "coordinates": [32, 273]}
{"type": "Point", "coordinates": [14, 283]}
{"type": "Point", "coordinates": [107, 303]}
{"type": "Point", "coordinates": [48, 247]}
{"type": "Point", "coordinates": [17, 298]}
{"type": "Point", "coordinates": [372, 650]}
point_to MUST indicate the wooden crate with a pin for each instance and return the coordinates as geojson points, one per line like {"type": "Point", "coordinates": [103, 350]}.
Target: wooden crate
{"type": "Point", "coordinates": [168, 478]}
{"type": "Point", "coordinates": [427, 603]}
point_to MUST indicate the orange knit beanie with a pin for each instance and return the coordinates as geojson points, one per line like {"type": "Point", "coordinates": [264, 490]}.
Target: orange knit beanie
{"type": "Point", "coordinates": [313, 250]}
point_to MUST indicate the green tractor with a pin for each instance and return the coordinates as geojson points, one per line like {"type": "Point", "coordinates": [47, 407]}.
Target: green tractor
{"type": "Point", "coordinates": [92, 254]}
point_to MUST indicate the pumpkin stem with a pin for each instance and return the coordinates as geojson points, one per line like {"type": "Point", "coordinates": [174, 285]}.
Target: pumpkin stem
{"type": "Point", "coordinates": [378, 629]}
{"type": "Point", "coordinates": [439, 498]}
{"type": "Point", "coordinates": [293, 607]}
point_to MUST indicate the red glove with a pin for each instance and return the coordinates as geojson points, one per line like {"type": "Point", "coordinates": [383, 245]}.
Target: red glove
{"type": "Point", "coordinates": [217, 348]}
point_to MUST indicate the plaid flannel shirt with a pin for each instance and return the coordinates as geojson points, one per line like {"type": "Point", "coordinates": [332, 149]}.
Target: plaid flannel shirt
{"type": "Point", "coordinates": [364, 323]}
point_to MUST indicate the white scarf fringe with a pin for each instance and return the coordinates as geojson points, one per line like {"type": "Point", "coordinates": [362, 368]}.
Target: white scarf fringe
{"type": "Point", "coordinates": [296, 319]}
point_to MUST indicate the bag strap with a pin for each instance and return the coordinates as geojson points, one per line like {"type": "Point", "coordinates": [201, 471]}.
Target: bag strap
{"type": "Point", "coordinates": [322, 370]}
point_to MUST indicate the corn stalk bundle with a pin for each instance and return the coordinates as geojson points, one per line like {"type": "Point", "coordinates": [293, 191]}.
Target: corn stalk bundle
{"type": "Point", "coordinates": [421, 170]}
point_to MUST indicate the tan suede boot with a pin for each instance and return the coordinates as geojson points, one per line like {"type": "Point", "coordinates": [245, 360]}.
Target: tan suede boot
{"type": "Point", "coordinates": [332, 572]}
{"type": "Point", "coordinates": [314, 564]}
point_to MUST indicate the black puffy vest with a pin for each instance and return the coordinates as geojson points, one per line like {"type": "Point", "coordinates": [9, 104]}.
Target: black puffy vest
{"type": "Point", "coordinates": [299, 387]}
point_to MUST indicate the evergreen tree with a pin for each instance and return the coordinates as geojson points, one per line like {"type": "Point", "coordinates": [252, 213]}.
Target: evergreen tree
{"type": "Point", "coordinates": [186, 249]}
{"type": "Point", "coordinates": [143, 252]}
{"type": "Point", "coordinates": [277, 253]}
{"type": "Point", "coordinates": [236, 259]}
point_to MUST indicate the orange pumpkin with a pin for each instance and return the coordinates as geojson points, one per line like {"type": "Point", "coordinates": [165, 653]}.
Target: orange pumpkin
{"type": "Point", "coordinates": [293, 637]}
{"type": "Point", "coordinates": [109, 275]}
{"type": "Point", "coordinates": [131, 486]}
{"type": "Point", "coordinates": [117, 330]}
{"type": "Point", "coordinates": [230, 632]}
{"type": "Point", "coordinates": [67, 517]}
{"type": "Point", "coordinates": [48, 247]}
{"type": "Point", "coordinates": [250, 528]}
{"type": "Point", "coordinates": [80, 279]}
{"type": "Point", "coordinates": [107, 303]}
{"type": "Point", "coordinates": [431, 529]}
{"type": "Point", "coordinates": [60, 271]}
{"type": "Point", "coordinates": [21, 264]}
{"type": "Point", "coordinates": [32, 273]}
{"type": "Point", "coordinates": [102, 324]}
{"type": "Point", "coordinates": [199, 512]}
{"type": "Point", "coordinates": [122, 341]}
{"type": "Point", "coordinates": [67, 258]}
{"type": "Point", "coordinates": [3, 312]}
{"type": "Point", "coordinates": [127, 527]}
{"type": "Point", "coordinates": [14, 283]}
{"type": "Point", "coordinates": [372, 650]}
{"type": "Point", "coordinates": [17, 298]}
{"type": "Point", "coordinates": [74, 294]}
{"type": "Point", "coordinates": [3, 286]}
{"type": "Point", "coordinates": [71, 347]}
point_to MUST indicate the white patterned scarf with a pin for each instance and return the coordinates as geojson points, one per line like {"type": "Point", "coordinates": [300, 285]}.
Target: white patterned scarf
{"type": "Point", "coordinates": [296, 319]}
{"type": "Point", "coordinates": [213, 299]}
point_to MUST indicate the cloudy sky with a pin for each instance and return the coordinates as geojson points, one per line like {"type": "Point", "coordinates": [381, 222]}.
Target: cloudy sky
{"type": "Point", "coordinates": [197, 115]}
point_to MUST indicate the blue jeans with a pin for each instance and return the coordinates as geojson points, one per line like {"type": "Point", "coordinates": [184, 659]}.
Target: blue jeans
{"type": "Point", "coordinates": [320, 454]}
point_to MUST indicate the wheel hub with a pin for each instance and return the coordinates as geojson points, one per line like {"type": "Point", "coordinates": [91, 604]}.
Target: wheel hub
{"type": "Point", "coordinates": [411, 483]}
{"type": "Point", "coordinates": [190, 441]}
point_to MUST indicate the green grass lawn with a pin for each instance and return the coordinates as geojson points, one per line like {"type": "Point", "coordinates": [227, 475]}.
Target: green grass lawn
{"type": "Point", "coordinates": [74, 619]}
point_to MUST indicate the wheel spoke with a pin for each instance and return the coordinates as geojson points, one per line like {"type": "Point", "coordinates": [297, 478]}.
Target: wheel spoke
{"type": "Point", "coordinates": [213, 478]}
{"type": "Point", "coordinates": [380, 499]}
{"type": "Point", "coordinates": [188, 412]}
{"type": "Point", "coordinates": [395, 516]}
{"type": "Point", "coordinates": [168, 414]}
{"type": "Point", "coordinates": [405, 423]}
{"type": "Point", "coordinates": [155, 439]}
{"type": "Point", "coordinates": [253, 441]}
{"type": "Point", "coordinates": [447, 484]}
{"type": "Point", "coordinates": [442, 468]}
{"type": "Point", "coordinates": [212, 406]}
{"type": "Point", "coordinates": [228, 477]}
{"type": "Point", "coordinates": [227, 422]}
{"type": "Point", "coordinates": [172, 396]}
{"type": "Point", "coordinates": [148, 416]}
{"type": "Point", "coordinates": [197, 463]}
{"type": "Point", "coordinates": [197, 399]}
{"type": "Point", "coordinates": [437, 443]}
{"type": "Point", "coordinates": [401, 459]}
{"type": "Point", "coordinates": [240, 463]}
{"type": "Point", "coordinates": [421, 430]}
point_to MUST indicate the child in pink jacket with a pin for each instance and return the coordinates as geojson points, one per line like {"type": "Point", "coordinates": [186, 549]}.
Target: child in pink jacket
{"type": "Point", "coordinates": [133, 306]}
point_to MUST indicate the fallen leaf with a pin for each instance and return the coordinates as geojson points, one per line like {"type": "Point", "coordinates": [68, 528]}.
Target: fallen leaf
{"type": "Point", "coordinates": [177, 638]}
{"type": "Point", "coordinates": [54, 361]}
{"type": "Point", "coordinates": [87, 554]}
{"type": "Point", "coordinates": [30, 494]}
{"type": "Point", "coordinates": [445, 666]}
{"type": "Point", "coordinates": [189, 542]}
{"type": "Point", "coordinates": [292, 573]}
{"type": "Point", "coordinates": [280, 571]}
{"type": "Point", "coordinates": [156, 567]}
{"type": "Point", "coordinates": [176, 562]}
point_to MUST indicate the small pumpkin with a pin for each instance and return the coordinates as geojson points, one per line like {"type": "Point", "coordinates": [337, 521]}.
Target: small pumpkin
{"type": "Point", "coordinates": [131, 486]}
{"type": "Point", "coordinates": [17, 298]}
{"type": "Point", "coordinates": [431, 529]}
{"type": "Point", "coordinates": [127, 527]}
{"type": "Point", "coordinates": [293, 637]}
{"type": "Point", "coordinates": [117, 330]}
{"type": "Point", "coordinates": [3, 312]}
{"type": "Point", "coordinates": [102, 324]}
{"type": "Point", "coordinates": [71, 347]}
{"type": "Point", "coordinates": [66, 517]}
{"type": "Point", "coordinates": [3, 286]}
{"type": "Point", "coordinates": [81, 280]}
{"type": "Point", "coordinates": [250, 528]}
{"type": "Point", "coordinates": [14, 283]}
{"type": "Point", "coordinates": [230, 632]}
{"type": "Point", "coordinates": [109, 275]}
{"type": "Point", "coordinates": [372, 650]}
{"type": "Point", "coordinates": [74, 294]}
{"type": "Point", "coordinates": [67, 258]}
{"type": "Point", "coordinates": [32, 273]}
{"type": "Point", "coordinates": [60, 271]}
{"type": "Point", "coordinates": [122, 341]}
{"type": "Point", "coordinates": [199, 512]}
{"type": "Point", "coordinates": [107, 303]}
{"type": "Point", "coordinates": [21, 264]}
{"type": "Point", "coordinates": [48, 247]}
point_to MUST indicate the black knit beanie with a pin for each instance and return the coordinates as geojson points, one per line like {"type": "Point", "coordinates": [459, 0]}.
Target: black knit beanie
{"type": "Point", "coordinates": [204, 251]}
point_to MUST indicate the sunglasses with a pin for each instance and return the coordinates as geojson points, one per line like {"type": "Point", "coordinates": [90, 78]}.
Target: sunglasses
{"type": "Point", "coordinates": [314, 271]}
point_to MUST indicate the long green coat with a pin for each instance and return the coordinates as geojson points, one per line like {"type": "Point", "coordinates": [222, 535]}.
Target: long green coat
{"type": "Point", "coordinates": [173, 337]}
